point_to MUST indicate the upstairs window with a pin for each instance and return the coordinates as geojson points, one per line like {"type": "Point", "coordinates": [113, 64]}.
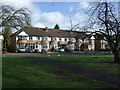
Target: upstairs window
{"type": "Point", "coordinates": [89, 40]}
{"type": "Point", "coordinates": [44, 38]}
{"type": "Point", "coordinates": [65, 39]}
{"type": "Point", "coordinates": [54, 38]}
{"type": "Point", "coordinates": [71, 39]}
{"type": "Point", "coordinates": [38, 38]}
{"type": "Point", "coordinates": [22, 37]}
{"type": "Point", "coordinates": [30, 38]}
{"type": "Point", "coordinates": [60, 39]}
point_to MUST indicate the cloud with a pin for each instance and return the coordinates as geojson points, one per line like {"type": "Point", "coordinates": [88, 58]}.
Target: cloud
{"type": "Point", "coordinates": [38, 18]}
{"type": "Point", "coordinates": [18, 3]}
{"type": "Point", "coordinates": [39, 25]}
{"type": "Point", "coordinates": [71, 9]}
{"type": "Point", "coordinates": [35, 12]}
{"type": "Point", "coordinates": [49, 19]}
{"type": "Point", "coordinates": [52, 18]}
{"type": "Point", "coordinates": [84, 4]}
{"type": "Point", "coordinates": [80, 16]}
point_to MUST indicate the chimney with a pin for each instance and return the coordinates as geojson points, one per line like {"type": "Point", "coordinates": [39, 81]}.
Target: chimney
{"type": "Point", "coordinates": [46, 29]}
{"type": "Point", "coordinates": [71, 32]}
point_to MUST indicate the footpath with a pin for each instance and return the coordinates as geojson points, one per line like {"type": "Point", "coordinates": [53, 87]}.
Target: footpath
{"type": "Point", "coordinates": [98, 75]}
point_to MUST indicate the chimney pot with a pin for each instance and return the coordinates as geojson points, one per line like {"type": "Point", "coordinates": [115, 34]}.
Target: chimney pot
{"type": "Point", "coordinates": [46, 29]}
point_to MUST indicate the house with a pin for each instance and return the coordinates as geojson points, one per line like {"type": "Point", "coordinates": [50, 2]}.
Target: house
{"type": "Point", "coordinates": [46, 39]}
{"type": "Point", "coordinates": [100, 43]}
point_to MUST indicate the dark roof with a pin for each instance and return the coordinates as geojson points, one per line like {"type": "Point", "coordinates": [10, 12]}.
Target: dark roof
{"type": "Point", "coordinates": [33, 31]}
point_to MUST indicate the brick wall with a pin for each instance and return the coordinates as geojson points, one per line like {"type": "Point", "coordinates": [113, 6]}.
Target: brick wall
{"type": "Point", "coordinates": [13, 44]}
{"type": "Point", "coordinates": [97, 45]}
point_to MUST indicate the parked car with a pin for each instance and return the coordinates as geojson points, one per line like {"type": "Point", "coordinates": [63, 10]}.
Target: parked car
{"type": "Point", "coordinates": [44, 51]}
{"type": "Point", "coordinates": [68, 50]}
{"type": "Point", "coordinates": [38, 50]}
{"type": "Point", "coordinates": [21, 50]}
{"type": "Point", "coordinates": [60, 50]}
{"type": "Point", "coordinates": [31, 50]}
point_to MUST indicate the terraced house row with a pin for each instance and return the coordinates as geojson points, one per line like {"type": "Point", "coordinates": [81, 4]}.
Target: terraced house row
{"type": "Point", "coordinates": [46, 39]}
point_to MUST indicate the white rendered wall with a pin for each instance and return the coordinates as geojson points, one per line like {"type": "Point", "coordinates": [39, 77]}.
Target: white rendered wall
{"type": "Point", "coordinates": [22, 34]}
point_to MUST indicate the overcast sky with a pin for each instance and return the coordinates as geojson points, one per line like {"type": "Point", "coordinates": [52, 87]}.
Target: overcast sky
{"type": "Point", "coordinates": [47, 14]}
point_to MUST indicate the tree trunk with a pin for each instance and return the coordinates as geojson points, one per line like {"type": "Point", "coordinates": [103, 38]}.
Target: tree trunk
{"type": "Point", "coordinates": [116, 56]}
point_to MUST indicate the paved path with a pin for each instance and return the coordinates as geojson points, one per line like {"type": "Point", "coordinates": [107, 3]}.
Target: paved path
{"type": "Point", "coordinates": [51, 53]}
{"type": "Point", "coordinates": [98, 75]}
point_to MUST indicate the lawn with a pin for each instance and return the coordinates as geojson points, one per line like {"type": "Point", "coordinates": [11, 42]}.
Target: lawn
{"type": "Point", "coordinates": [19, 72]}
{"type": "Point", "coordinates": [98, 62]}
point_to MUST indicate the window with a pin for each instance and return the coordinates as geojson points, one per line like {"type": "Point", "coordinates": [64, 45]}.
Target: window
{"type": "Point", "coordinates": [54, 38]}
{"type": "Point", "coordinates": [30, 37]}
{"type": "Point", "coordinates": [60, 39]}
{"type": "Point", "coordinates": [19, 37]}
{"type": "Point", "coordinates": [21, 45]}
{"type": "Point", "coordinates": [45, 38]}
{"type": "Point", "coordinates": [22, 37]}
{"type": "Point", "coordinates": [31, 45]}
{"type": "Point", "coordinates": [38, 38]}
{"type": "Point", "coordinates": [79, 40]}
{"type": "Point", "coordinates": [36, 46]}
{"type": "Point", "coordinates": [65, 39]}
{"type": "Point", "coordinates": [90, 40]}
{"type": "Point", "coordinates": [44, 46]}
{"type": "Point", "coordinates": [71, 39]}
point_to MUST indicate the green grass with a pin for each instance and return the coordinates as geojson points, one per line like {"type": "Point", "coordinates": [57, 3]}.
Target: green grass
{"type": "Point", "coordinates": [19, 72]}
{"type": "Point", "coordinates": [98, 62]}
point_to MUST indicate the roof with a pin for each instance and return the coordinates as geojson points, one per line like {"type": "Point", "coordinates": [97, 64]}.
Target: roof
{"type": "Point", "coordinates": [33, 31]}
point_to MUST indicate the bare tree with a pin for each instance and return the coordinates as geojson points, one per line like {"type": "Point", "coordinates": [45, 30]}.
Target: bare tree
{"type": "Point", "coordinates": [73, 26]}
{"type": "Point", "coordinates": [14, 18]}
{"type": "Point", "coordinates": [105, 15]}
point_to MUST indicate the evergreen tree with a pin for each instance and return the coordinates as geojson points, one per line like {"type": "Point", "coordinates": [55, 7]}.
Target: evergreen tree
{"type": "Point", "coordinates": [56, 26]}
